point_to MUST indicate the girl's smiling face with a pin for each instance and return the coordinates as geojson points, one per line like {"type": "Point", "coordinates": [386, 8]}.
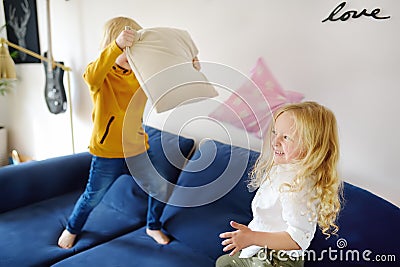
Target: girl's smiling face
{"type": "Point", "coordinates": [285, 140]}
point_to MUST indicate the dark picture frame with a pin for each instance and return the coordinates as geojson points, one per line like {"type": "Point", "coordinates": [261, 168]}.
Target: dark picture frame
{"type": "Point", "coordinates": [22, 28]}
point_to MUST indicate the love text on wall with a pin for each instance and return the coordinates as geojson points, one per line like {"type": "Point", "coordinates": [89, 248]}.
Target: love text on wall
{"type": "Point", "coordinates": [341, 14]}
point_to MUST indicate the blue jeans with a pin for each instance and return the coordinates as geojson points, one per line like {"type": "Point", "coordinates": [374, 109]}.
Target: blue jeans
{"type": "Point", "coordinates": [103, 173]}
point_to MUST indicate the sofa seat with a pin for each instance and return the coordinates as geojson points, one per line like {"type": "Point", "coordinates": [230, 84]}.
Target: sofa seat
{"type": "Point", "coordinates": [29, 234]}
{"type": "Point", "coordinates": [138, 249]}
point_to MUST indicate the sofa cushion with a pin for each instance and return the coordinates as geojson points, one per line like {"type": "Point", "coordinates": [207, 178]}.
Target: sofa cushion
{"type": "Point", "coordinates": [138, 249]}
{"type": "Point", "coordinates": [213, 192]}
{"type": "Point", "coordinates": [36, 227]}
{"type": "Point", "coordinates": [367, 229]}
{"type": "Point", "coordinates": [168, 152]}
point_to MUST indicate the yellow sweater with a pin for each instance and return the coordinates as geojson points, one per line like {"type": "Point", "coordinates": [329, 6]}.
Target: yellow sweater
{"type": "Point", "coordinates": [117, 132]}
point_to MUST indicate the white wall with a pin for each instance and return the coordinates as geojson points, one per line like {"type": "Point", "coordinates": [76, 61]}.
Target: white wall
{"type": "Point", "coordinates": [352, 67]}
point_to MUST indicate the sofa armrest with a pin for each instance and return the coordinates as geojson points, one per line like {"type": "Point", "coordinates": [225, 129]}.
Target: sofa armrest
{"type": "Point", "coordinates": [34, 181]}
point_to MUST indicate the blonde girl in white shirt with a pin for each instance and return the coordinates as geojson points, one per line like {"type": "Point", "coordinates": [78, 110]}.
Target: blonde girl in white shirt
{"type": "Point", "coordinates": [298, 188]}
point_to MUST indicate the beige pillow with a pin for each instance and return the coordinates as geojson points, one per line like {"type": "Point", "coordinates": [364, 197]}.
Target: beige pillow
{"type": "Point", "coordinates": [161, 59]}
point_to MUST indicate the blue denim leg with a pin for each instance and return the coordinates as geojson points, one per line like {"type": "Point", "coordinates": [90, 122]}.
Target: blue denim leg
{"type": "Point", "coordinates": [154, 184]}
{"type": "Point", "coordinates": [154, 212]}
{"type": "Point", "coordinates": [103, 173]}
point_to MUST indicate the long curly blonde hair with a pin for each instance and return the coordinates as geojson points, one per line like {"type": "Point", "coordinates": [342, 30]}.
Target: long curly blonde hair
{"type": "Point", "coordinates": [317, 129]}
{"type": "Point", "coordinates": [113, 27]}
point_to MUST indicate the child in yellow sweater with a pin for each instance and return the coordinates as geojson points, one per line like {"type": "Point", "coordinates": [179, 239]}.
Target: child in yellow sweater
{"type": "Point", "coordinates": [113, 86]}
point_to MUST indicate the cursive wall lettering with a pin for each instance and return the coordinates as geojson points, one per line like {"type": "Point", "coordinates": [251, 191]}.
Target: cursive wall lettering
{"type": "Point", "coordinates": [334, 16]}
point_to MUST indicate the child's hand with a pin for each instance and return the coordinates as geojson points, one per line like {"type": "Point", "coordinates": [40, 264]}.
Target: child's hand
{"type": "Point", "coordinates": [236, 240]}
{"type": "Point", "coordinates": [196, 63]}
{"type": "Point", "coordinates": [125, 39]}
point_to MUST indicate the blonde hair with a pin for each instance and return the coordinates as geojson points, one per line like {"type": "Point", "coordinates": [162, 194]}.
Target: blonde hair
{"type": "Point", "coordinates": [113, 27]}
{"type": "Point", "coordinates": [317, 129]}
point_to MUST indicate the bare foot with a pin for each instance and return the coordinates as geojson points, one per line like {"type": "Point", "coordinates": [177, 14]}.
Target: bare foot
{"type": "Point", "coordinates": [158, 236]}
{"type": "Point", "coordinates": [66, 239]}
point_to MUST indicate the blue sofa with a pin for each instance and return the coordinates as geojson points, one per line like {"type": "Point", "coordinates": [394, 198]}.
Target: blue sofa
{"type": "Point", "coordinates": [36, 199]}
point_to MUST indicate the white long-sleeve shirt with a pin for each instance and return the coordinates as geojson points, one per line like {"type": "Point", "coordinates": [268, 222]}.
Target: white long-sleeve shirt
{"type": "Point", "coordinates": [275, 210]}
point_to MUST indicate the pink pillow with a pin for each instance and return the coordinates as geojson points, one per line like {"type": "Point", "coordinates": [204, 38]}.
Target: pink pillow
{"type": "Point", "coordinates": [251, 105]}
